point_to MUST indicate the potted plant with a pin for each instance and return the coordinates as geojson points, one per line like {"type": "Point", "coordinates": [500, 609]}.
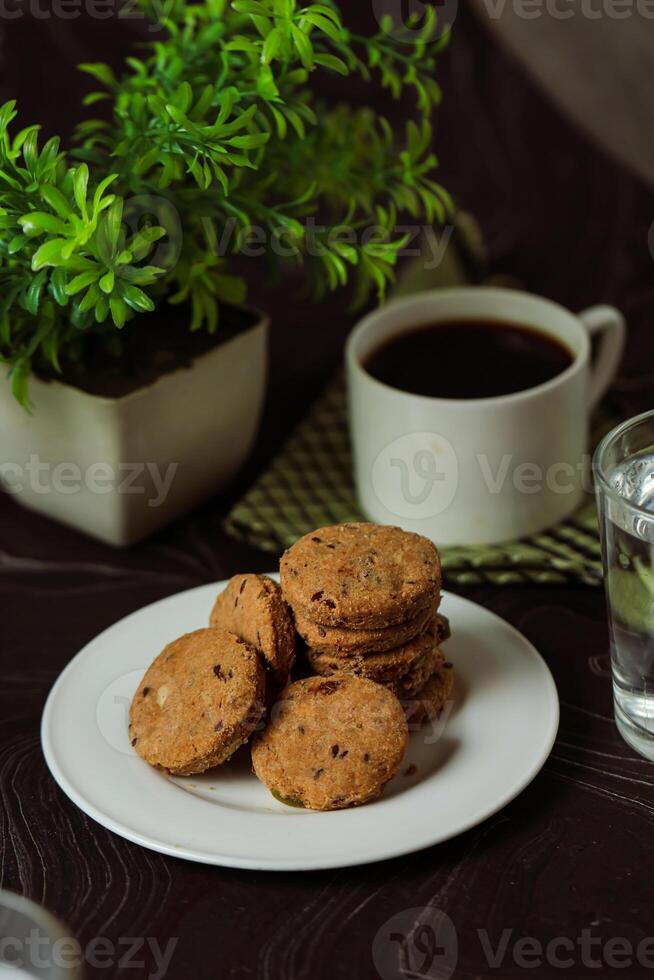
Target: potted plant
{"type": "Point", "coordinates": [136, 378]}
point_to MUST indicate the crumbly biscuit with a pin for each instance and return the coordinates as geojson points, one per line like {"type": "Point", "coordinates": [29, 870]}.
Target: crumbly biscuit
{"type": "Point", "coordinates": [428, 703]}
{"type": "Point", "coordinates": [404, 671]}
{"type": "Point", "coordinates": [415, 679]}
{"type": "Point", "coordinates": [252, 606]}
{"type": "Point", "coordinates": [361, 575]}
{"type": "Point", "coordinates": [384, 668]}
{"type": "Point", "coordinates": [331, 742]}
{"type": "Point", "coordinates": [338, 641]}
{"type": "Point", "coordinates": [199, 701]}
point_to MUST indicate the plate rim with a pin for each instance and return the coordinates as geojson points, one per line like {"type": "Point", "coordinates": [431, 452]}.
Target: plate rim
{"type": "Point", "coordinates": [68, 787]}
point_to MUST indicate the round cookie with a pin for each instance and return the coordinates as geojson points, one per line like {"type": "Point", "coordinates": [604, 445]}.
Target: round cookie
{"type": "Point", "coordinates": [199, 701]}
{"type": "Point", "coordinates": [415, 679]}
{"type": "Point", "coordinates": [360, 575]}
{"type": "Point", "coordinates": [338, 641]}
{"type": "Point", "coordinates": [384, 668]}
{"type": "Point", "coordinates": [252, 606]}
{"type": "Point", "coordinates": [331, 743]}
{"type": "Point", "coordinates": [428, 703]}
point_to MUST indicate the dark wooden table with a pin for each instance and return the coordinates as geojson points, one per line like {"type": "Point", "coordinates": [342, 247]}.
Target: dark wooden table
{"type": "Point", "coordinates": [572, 857]}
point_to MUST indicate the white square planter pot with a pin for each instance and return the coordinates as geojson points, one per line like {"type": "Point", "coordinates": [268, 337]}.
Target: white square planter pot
{"type": "Point", "coordinates": [120, 468]}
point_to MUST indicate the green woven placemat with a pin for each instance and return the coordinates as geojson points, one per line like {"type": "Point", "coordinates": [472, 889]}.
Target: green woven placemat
{"type": "Point", "coordinates": [309, 485]}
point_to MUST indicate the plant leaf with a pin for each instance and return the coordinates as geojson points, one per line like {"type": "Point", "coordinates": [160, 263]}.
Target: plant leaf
{"type": "Point", "coordinates": [50, 253]}
{"type": "Point", "coordinates": [118, 311]}
{"type": "Point", "coordinates": [80, 183]}
{"type": "Point", "coordinates": [107, 282]}
{"type": "Point", "coordinates": [102, 72]}
{"type": "Point", "coordinates": [137, 299]}
{"type": "Point", "coordinates": [53, 196]}
{"type": "Point", "coordinates": [40, 222]}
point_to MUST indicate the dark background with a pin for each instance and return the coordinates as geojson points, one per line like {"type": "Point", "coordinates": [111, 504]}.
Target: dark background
{"type": "Point", "coordinates": [575, 850]}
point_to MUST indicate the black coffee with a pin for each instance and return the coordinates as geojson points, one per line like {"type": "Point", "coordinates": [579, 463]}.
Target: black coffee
{"type": "Point", "coordinates": [468, 359]}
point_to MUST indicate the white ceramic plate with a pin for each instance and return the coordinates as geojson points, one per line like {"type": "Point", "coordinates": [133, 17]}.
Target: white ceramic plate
{"type": "Point", "coordinates": [496, 738]}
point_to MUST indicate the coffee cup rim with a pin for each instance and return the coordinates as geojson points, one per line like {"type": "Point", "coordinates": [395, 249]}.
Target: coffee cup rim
{"type": "Point", "coordinates": [40, 918]}
{"type": "Point", "coordinates": [579, 357]}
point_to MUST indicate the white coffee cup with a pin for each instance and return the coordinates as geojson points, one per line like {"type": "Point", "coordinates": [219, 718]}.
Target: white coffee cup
{"type": "Point", "coordinates": [482, 470]}
{"type": "Point", "coordinates": [33, 943]}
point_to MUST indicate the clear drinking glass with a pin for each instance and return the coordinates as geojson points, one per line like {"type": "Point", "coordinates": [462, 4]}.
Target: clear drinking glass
{"type": "Point", "coordinates": [623, 467]}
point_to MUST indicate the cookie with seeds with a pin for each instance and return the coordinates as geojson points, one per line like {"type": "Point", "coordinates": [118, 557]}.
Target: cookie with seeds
{"type": "Point", "coordinates": [430, 700]}
{"type": "Point", "coordinates": [199, 701]}
{"type": "Point", "coordinates": [331, 742]}
{"type": "Point", "coordinates": [361, 575]}
{"type": "Point", "coordinates": [252, 606]}
{"type": "Point", "coordinates": [342, 642]}
{"type": "Point", "coordinates": [385, 668]}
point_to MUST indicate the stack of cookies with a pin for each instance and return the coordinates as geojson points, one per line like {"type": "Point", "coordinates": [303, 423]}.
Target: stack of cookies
{"type": "Point", "coordinates": [365, 598]}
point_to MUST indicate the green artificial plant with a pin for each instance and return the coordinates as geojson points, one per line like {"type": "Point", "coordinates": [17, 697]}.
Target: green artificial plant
{"type": "Point", "coordinates": [214, 130]}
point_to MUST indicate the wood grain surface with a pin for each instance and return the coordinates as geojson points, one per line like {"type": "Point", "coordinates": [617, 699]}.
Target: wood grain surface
{"type": "Point", "coordinates": [575, 851]}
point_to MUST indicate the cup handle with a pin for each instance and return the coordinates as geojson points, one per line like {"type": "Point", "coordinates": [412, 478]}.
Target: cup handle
{"type": "Point", "coordinates": [611, 323]}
